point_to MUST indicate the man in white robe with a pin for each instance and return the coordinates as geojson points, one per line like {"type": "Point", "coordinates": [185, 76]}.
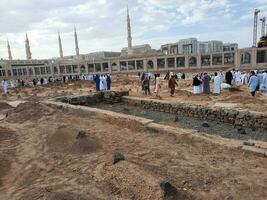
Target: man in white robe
{"type": "Point", "coordinates": [263, 85]}
{"type": "Point", "coordinates": [12, 84]}
{"type": "Point", "coordinates": [105, 82]}
{"type": "Point", "coordinates": [45, 81]}
{"type": "Point", "coordinates": [101, 85]}
{"type": "Point", "coordinates": [238, 79]}
{"type": "Point", "coordinates": [217, 84]}
{"type": "Point", "coordinates": [221, 76]}
{"type": "Point", "coordinates": [4, 87]}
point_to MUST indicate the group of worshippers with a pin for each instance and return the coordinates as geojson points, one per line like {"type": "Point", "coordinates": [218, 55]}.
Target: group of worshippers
{"type": "Point", "coordinates": [145, 78]}
{"type": "Point", "coordinates": [258, 82]}
{"type": "Point", "coordinates": [102, 82]}
{"type": "Point", "coordinates": [11, 84]}
{"type": "Point", "coordinates": [178, 76]}
{"type": "Point", "coordinates": [201, 83]}
{"type": "Point", "coordinates": [255, 81]}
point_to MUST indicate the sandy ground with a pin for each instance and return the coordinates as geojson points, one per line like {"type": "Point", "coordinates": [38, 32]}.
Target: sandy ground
{"type": "Point", "coordinates": [238, 98]}
{"type": "Point", "coordinates": [42, 159]}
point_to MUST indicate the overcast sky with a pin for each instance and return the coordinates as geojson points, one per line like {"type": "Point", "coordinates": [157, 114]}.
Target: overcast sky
{"type": "Point", "coordinates": [101, 24]}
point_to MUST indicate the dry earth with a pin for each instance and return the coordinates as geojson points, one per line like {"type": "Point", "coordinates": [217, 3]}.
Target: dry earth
{"type": "Point", "coordinates": [42, 158]}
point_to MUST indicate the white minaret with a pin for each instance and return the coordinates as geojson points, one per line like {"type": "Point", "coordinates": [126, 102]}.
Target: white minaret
{"type": "Point", "coordinates": [129, 29]}
{"type": "Point", "coordinates": [9, 51]}
{"type": "Point", "coordinates": [60, 46]}
{"type": "Point", "coordinates": [28, 48]}
{"type": "Point", "coordinates": [76, 42]}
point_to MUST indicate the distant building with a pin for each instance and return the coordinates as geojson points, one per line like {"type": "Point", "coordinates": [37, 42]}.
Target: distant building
{"type": "Point", "coordinates": [137, 50]}
{"type": "Point", "coordinates": [193, 46]}
{"type": "Point", "coordinates": [230, 47]}
{"type": "Point", "coordinates": [101, 54]}
{"type": "Point", "coordinates": [188, 46]}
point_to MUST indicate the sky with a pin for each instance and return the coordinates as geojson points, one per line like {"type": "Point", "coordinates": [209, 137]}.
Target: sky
{"type": "Point", "coordinates": [101, 24]}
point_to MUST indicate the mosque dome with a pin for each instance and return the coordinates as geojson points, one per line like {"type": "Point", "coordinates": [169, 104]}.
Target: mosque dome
{"type": "Point", "coordinates": [262, 42]}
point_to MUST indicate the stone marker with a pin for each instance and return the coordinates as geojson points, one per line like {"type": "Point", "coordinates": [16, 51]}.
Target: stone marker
{"type": "Point", "coordinates": [81, 134]}
{"type": "Point", "coordinates": [117, 157]}
{"type": "Point", "coordinates": [248, 143]}
{"type": "Point", "coordinates": [167, 188]}
{"type": "Point", "coordinates": [206, 125]}
{"type": "Point", "coordinates": [176, 119]}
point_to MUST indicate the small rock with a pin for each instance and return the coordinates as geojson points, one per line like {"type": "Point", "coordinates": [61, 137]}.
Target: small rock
{"type": "Point", "coordinates": [176, 119]}
{"type": "Point", "coordinates": [247, 143]}
{"type": "Point", "coordinates": [206, 125]}
{"type": "Point", "coordinates": [81, 134]}
{"type": "Point", "coordinates": [117, 157]}
{"type": "Point", "coordinates": [241, 131]}
{"type": "Point", "coordinates": [167, 188]}
{"type": "Point", "coordinates": [60, 162]}
{"type": "Point", "coordinates": [6, 115]}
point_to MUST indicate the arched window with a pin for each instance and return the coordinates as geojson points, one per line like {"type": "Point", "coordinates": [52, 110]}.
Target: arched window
{"type": "Point", "coordinates": [83, 69]}
{"type": "Point", "coordinates": [192, 62]}
{"type": "Point", "coordinates": [150, 64]}
{"type": "Point", "coordinates": [245, 58]}
{"type": "Point", "coordinates": [114, 67]}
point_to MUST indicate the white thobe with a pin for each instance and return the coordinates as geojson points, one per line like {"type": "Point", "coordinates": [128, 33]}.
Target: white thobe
{"type": "Point", "coordinates": [105, 83]}
{"type": "Point", "coordinates": [217, 85]}
{"type": "Point", "coordinates": [12, 84]}
{"type": "Point", "coordinates": [101, 84]}
{"type": "Point", "coordinates": [238, 79]}
{"type": "Point", "coordinates": [4, 86]}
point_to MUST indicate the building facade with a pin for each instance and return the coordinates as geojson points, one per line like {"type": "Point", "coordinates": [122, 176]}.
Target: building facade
{"type": "Point", "coordinates": [193, 46]}
{"type": "Point", "coordinates": [249, 58]}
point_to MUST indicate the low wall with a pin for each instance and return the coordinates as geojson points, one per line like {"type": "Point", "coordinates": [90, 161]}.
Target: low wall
{"type": "Point", "coordinates": [97, 97]}
{"type": "Point", "coordinates": [236, 117]}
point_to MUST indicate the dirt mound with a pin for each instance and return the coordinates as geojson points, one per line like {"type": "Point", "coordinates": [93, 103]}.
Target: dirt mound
{"type": "Point", "coordinates": [48, 194]}
{"type": "Point", "coordinates": [7, 140]}
{"type": "Point", "coordinates": [29, 111]}
{"type": "Point", "coordinates": [5, 106]}
{"type": "Point", "coordinates": [65, 140]}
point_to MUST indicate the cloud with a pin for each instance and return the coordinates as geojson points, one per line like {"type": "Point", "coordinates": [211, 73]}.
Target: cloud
{"type": "Point", "coordinates": [101, 24]}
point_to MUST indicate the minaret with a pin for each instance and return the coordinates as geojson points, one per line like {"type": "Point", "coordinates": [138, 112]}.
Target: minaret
{"type": "Point", "coordinates": [129, 29]}
{"type": "Point", "coordinates": [28, 48]}
{"type": "Point", "coordinates": [60, 46]}
{"type": "Point", "coordinates": [9, 51]}
{"type": "Point", "coordinates": [76, 42]}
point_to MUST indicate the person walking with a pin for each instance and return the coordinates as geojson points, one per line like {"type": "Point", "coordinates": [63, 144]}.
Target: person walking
{"type": "Point", "coordinates": [146, 86]}
{"type": "Point", "coordinates": [158, 86]}
{"type": "Point", "coordinates": [253, 83]}
{"type": "Point", "coordinates": [172, 84]}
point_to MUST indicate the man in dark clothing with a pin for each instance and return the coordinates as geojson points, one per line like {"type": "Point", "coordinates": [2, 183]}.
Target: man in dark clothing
{"type": "Point", "coordinates": [146, 85]}
{"type": "Point", "coordinates": [229, 77]}
{"type": "Point", "coordinates": [108, 82]}
{"type": "Point", "coordinates": [183, 76]}
{"type": "Point", "coordinates": [172, 84]}
{"type": "Point", "coordinates": [97, 82]}
{"type": "Point", "coordinates": [206, 83]}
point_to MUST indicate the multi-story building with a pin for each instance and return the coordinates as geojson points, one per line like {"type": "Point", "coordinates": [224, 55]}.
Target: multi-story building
{"type": "Point", "coordinates": [230, 47]}
{"type": "Point", "coordinates": [193, 46]}
{"type": "Point", "coordinates": [188, 46]}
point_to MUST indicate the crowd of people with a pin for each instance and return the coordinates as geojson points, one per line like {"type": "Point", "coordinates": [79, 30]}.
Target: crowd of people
{"type": "Point", "coordinates": [256, 81]}
{"type": "Point", "coordinates": [103, 82]}
{"type": "Point", "coordinates": [145, 78]}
